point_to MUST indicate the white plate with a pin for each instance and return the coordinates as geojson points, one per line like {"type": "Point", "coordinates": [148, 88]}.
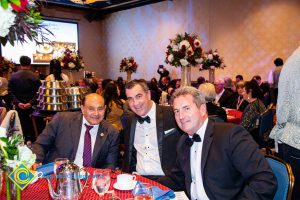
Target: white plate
{"type": "Point", "coordinates": [44, 49]}
{"type": "Point", "coordinates": [116, 186]}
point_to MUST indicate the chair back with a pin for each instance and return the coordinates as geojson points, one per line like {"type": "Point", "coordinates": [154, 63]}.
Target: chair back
{"type": "Point", "coordinates": [265, 126]}
{"type": "Point", "coordinates": [216, 118]}
{"type": "Point", "coordinates": [284, 176]}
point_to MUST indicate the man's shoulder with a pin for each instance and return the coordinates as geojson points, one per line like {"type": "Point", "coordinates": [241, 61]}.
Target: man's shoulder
{"type": "Point", "coordinates": [109, 127]}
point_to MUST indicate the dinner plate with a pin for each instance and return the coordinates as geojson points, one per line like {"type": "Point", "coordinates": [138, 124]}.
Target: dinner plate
{"type": "Point", "coordinates": [44, 48]}
{"type": "Point", "coordinates": [130, 187]}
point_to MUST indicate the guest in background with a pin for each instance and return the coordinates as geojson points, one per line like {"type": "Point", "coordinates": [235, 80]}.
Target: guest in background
{"type": "Point", "coordinates": [56, 73]}
{"type": "Point", "coordinates": [286, 132]}
{"type": "Point", "coordinates": [239, 78]}
{"type": "Point", "coordinates": [209, 93]}
{"type": "Point", "coordinates": [163, 72]}
{"type": "Point", "coordinates": [100, 88]}
{"type": "Point", "coordinates": [274, 78]}
{"type": "Point", "coordinates": [155, 92]}
{"type": "Point", "coordinates": [200, 80]}
{"type": "Point", "coordinates": [5, 99]}
{"type": "Point", "coordinates": [83, 82]}
{"type": "Point", "coordinates": [253, 110]}
{"type": "Point", "coordinates": [114, 106]}
{"type": "Point", "coordinates": [165, 82]}
{"type": "Point", "coordinates": [121, 86]}
{"type": "Point", "coordinates": [105, 82]}
{"type": "Point", "coordinates": [240, 103]}
{"type": "Point", "coordinates": [265, 90]}
{"type": "Point", "coordinates": [224, 97]}
{"type": "Point", "coordinates": [23, 86]}
{"type": "Point", "coordinates": [93, 84]}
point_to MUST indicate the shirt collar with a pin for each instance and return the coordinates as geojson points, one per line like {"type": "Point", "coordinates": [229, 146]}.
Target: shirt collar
{"type": "Point", "coordinates": [84, 121]}
{"type": "Point", "coordinates": [152, 111]}
{"type": "Point", "coordinates": [201, 130]}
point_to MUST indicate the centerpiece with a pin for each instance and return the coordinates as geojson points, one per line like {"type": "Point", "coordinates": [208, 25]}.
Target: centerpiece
{"type": "Point", "coordinates": [210, 61]}
{"type": "Point", "coordinates": [71, 60]}
{"type": "Point", "coordinates": [129, 66]}
{"type": "Point", "coordinates": [184, 51]}
{"type": "Point", "coordinates": [19, 20]}
{"type": "Point", "coordinates": [13, 152]}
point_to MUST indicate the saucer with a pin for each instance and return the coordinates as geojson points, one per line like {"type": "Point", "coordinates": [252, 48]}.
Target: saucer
{"type": "Point", "coordinates": [128, 187]}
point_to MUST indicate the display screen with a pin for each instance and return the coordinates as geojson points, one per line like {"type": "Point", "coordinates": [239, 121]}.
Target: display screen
{"type": "Point", "coordinates": [65, 35]}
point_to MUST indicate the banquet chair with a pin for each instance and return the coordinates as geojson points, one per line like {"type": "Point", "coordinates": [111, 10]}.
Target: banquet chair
{"type": "Point", "coordinates": [284, 175]}
{"type": "Point", "coordinates": [265, 126]}
{"type": "Point", "coordinates": [216, 118]}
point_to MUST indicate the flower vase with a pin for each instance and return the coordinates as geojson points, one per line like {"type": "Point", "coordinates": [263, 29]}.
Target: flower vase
{"type": "Point", "coordinates": [185, 76]}
{"type": "Point", "coordinates": [211, 75]}
{"type": "Point", "coordinates": [12, 191]}
{"type": "Point", "coordinates": [71, 80]}
{"type": "Point", "coordinates": [129, 76]}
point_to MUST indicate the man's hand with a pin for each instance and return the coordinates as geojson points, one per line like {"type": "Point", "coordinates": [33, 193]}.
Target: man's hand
{"type": "Point", "coordinates": [34, 166]}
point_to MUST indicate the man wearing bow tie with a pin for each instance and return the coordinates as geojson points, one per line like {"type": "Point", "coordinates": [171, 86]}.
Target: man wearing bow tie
{"type": "Point", "coordinates": [150, 135]}
{"type": "Point", "coordinates": [216, 160]}
{"type": "Point", "coordinates": [83, 137]}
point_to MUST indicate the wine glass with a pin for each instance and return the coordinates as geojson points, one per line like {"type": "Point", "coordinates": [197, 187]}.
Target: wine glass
{"type": "Point", "coordinates": [101, 181]}
{"type": "Point", "coordinates": [142, 191]}
{"type": "Point", "coordinates": [58, 162]}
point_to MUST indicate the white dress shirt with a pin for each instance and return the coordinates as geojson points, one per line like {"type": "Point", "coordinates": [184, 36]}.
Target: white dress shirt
{"type": "Point", "coordinates": [197, 188]}
{"type": "Point", "coordinates": [145, 143]}
{"type": "Point", "coordinates": [218, 96]}
{"type": "Point", "coordinates": [79, 154]}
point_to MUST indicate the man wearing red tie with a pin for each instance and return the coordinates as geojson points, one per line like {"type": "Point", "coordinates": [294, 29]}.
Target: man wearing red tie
{"type": "Point", "coordinates": [83, 137]}
{"type": "Point", "coordinates": [216, 160]}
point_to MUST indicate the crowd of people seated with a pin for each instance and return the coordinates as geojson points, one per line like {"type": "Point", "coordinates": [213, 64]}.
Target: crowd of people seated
{"type": "Point", "coordinates": [159, 141]}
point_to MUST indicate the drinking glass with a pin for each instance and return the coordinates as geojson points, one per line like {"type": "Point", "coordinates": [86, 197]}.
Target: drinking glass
{"type": "Point", "coordinates": [142, 192]}
{"type": "Point", "coordinates": [101, 181]}
{"type": "Point", "coordinates": [58, 162]}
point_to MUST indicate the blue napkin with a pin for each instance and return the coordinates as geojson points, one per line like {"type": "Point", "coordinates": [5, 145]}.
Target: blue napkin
{"type": "Point", "coordinates": [159, 194]}
{"type": "Point", "coordinates": [47, 169]}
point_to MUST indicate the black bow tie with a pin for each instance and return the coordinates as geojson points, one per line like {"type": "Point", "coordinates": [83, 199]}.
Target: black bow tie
{"type": "Point", "coordinates": [143, 119]}
{"type": "Point", "coordinates": [190, 141]}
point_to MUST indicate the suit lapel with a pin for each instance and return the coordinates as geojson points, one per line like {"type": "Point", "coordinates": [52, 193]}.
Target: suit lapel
{"type": "Point", "coordinates": [100, 139]}
{"type": "Point", "coordinates": [132, 130]}
{"type": "Point", "coordinates": [75, 129]}
{"type": "Point", "coordinates": [159, 130]}
{"type": "Point", "coordinates": [208, 138]}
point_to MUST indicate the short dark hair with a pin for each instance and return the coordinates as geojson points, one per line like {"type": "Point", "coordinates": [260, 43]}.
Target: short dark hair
{"type": "Point", "coordinates": [252, 86]}
{"type": "Point", "coordinates": [141, 82]}
{"type": "Point", "coordinates": [256, 77]}
{"type": "Point", "coordinates": [25, 61]}
{"type": "Point", "coordinates": [278, 62]}
{"type": "Point", "coordinates": [239, 77]}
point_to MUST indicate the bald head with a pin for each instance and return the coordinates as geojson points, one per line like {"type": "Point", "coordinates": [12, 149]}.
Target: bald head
{"type": "Point", "coordinates": [93, 108]}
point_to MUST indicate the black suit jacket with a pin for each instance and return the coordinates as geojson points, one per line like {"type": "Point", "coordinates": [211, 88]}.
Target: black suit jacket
{"type": "Point", "coordinates": [232, 166]}
{"type": "Point", "coordinates": [61, 136]}
{"type": "Point", "coordinates": [227, 98]}
{"type": "Point", "coordinates": [168, 135]}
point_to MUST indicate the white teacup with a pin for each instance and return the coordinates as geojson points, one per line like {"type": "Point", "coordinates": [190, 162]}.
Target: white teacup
{"type": "Point", "coordinates": [125, 180]}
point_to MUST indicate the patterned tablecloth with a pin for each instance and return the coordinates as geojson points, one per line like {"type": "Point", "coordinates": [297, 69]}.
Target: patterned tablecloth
{"type": "Point", "coordinates": [234, 116]}
{"type": "Point", "coordinates": [39, 190]}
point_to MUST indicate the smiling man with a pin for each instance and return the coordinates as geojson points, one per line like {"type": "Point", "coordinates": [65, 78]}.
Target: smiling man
{"type": "Point", "coordinates": [83, 137]}
{"type": "Point", "coordinates": [150, 135]}
{"type": "Point", "coordinates": [216, 160]}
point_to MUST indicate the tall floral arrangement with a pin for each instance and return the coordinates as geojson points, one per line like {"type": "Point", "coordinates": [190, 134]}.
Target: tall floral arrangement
{"type": "Point", "coordinates": [19, 20]}
{"type": "Point", "coordinates": [211, 60]}
{"type": "Point", "coordinates": [71, 60]}
{"type": "Point", "coordinates": [6, 65]}
{"type": "Point", "coordinates": [184, 50]}
{"type": "Point", "coordinates": [128, 65]}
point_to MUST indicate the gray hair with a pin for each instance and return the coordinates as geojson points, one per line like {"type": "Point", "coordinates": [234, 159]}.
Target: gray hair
{"type": "Point", "coordinates": [208, 91]}
{"type": "Point", "coordinates": [188, 90]}
{"type": "Point", "coordinates": [135, 82]}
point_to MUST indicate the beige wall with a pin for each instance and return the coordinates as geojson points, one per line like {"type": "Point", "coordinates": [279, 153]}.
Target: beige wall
{"type": "Point", "coordinates": [248, 34]}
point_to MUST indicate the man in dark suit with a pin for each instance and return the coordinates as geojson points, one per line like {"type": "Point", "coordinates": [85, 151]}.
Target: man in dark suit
{"type": "Point", "coordinates": [216, 160]}
{"type": "Point", "coordinates": [225, 95]}
{"type": "Point", "coordinates": [84, 138]}
{"type": "Point", "coordinates": [150, 135]}
{"type": "Point", "coordinates": [22, 86]}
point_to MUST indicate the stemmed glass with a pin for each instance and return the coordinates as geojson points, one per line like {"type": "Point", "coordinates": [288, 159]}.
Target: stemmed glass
{"type": "Point", "coordinates": [142, 191]}
{"type": "Point", "coordinates": [101, 181]}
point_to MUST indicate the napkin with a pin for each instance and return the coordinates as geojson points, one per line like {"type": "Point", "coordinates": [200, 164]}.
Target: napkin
{"type": "Point", "coordinates": [159, 194]}
{"type": "Point", "coordinates": [46, 169]}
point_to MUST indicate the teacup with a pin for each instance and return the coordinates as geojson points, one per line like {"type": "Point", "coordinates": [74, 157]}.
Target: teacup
{"type": "Point", "coordinates": [125, 180]}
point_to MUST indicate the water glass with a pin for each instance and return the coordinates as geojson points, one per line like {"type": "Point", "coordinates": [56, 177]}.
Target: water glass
{"type": "Point", "coordinates": [101, 181]}
{"type": "Point", "coordinates": [142, 191]}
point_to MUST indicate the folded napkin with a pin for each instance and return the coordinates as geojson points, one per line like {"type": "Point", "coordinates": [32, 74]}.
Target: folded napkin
{"type": "Point", "coordinates": [159, 194]}
{"type": "Point", "coordinates": [47, 169]}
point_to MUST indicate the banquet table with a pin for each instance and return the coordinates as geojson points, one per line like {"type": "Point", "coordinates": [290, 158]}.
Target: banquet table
{"type": "Point", "coordinates": [39, 190]}
{"type": "Point", "coordinates": [234, 116]}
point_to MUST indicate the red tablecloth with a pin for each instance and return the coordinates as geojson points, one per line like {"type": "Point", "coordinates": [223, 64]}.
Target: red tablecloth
{"type": "Point", "coordinates": [234, 116]}
{"type": "Point", "coordinates": [39, 190]}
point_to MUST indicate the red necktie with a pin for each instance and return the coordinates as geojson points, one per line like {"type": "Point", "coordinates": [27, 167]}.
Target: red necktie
{"type": "Point", "coordinates": [87, 149]}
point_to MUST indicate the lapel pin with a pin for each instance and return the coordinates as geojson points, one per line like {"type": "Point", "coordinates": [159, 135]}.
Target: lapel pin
{"type": "Point", "coordinates": [101, 134]}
